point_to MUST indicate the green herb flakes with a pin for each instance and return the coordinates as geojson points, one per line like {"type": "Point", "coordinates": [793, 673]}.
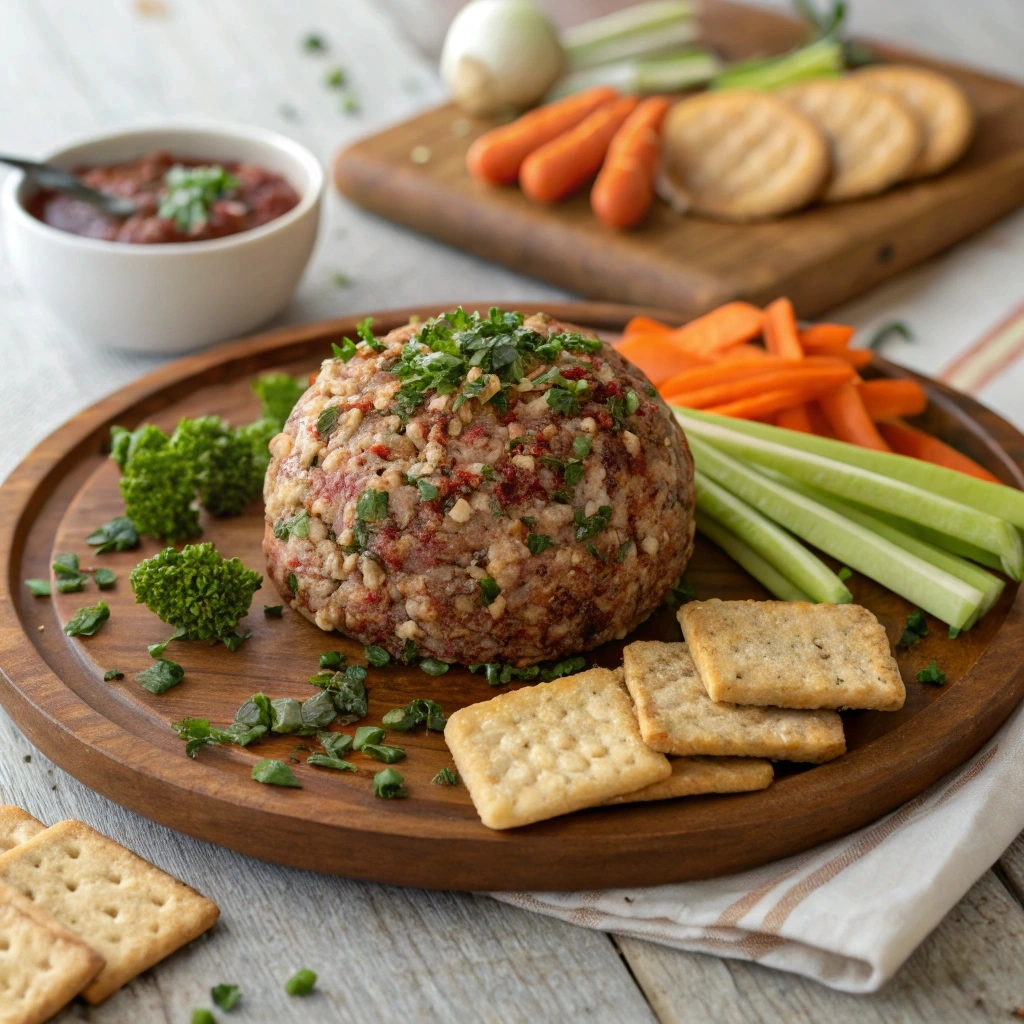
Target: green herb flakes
{"type": "Point", "coordinates": [489, 590]}
{"type": "Point", "coordinates": [301, 982]}
{"type": "Point", "coordinates": [225, 996]}
{"type": "Point", "coordinates": [372, 506]}
{"type": "Point", "coordinates": [191, 192]}
{"type": "Point", "coordinates": [528, 521]}
{"type": "Point", "coordinates": [326, 761]}
{"type": "Point", "coordinates": [69, 579]}
{"type": "Point", "coordinates": [86, 621]}
{"type": "Point", "coordinates": [111, 674]}
{"type": "Point", "coordinates": [428, 492]}
{"type": "Point", "coordinates": [286, 715]}
{"type": "Point", "coordinates": [623, 552]}
{"type": "Point", "coordinates": [931, 674]}
{"type": "Point", "coordinates": [433, 667]}
{"type": "Point", "coordinates": [335, 78]}
{"type": "Point", "coordinates": [538, 542]}
{"type": "Point", "coordinates": [293, 583]}
{"type": "Point", "coordinates": [161, 676]}
{"type": "Point", "coordinates": [327, 420]}
{"type": "Point", "coordinates": [573, 473]}
{"type": "Point", "coordinates": [296, 526]}
{"type": "Point", "coordinates": [845, 573]}
{"type": "Point", "coordinates": [388, 785]}
{"type": "Point", "coordinates": [379, 752]}
{"type": "Point", "coordinates": [335, 743]}
{"type": "Point", "coordinates": [119, 534]}
{"type": "Point", "coordinates": [581, 446]}
{"type": "Point", "coordinates": [273, 611]}
{"type": "Point", "coordinates": [332, 660]}
{"type": "Point", "coordinates": [345, 351]}
{"type": "Point", "coordinates": [157, 650]}
{"type": "Point", "coordinates": [274, 773]}
{"type": "Point", "coordinates": [376, 655]}
{"type": "Point", "coordinates": [105, 578]}
{"type": "Point", "coordinates": [415, 713]}
{"type": "Point", "coordinates": [314, 42]}
{"type": "Point", "coordinates": [38, 588]}
{"type": "Point", "coordinates": [591, 526]}
{"type": "Point", "coordinates": [367, 734]}
{"type": "Point", "coordinates": [682, 592]}
{"type": "Point", "coordinates": [915, 629]}
{"type": "Point", "coordinates": [445, 777]}
{"type": "Point", "coordinates": [200, 1015]}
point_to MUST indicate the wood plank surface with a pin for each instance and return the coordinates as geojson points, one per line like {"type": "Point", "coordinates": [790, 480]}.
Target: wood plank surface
{"type": "Point", "coordinates": [819, 256]}
{"type": "Point", "coordinates": [69, 67]}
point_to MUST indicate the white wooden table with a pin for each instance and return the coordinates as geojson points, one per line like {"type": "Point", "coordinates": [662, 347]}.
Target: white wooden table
{"type": "Point", "coordinates": [69, 67]}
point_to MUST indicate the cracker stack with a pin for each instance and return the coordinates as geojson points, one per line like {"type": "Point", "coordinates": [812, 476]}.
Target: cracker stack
{"type": "Point", "coordinates": [80, 914]}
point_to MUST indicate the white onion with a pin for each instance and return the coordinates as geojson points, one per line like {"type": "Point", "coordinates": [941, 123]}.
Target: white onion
{"type": "Point", "coordinates": [500, 54]}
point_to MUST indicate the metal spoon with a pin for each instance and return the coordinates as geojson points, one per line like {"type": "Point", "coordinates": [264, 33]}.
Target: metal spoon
{"type": "Point", "coordinates": [49, 177]}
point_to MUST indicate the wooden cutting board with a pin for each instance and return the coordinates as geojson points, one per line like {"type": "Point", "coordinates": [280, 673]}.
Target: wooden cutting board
{"type": "Point", "coordinates": [117, 738]}
{"type": "Point", "coordinates": [818, 257]}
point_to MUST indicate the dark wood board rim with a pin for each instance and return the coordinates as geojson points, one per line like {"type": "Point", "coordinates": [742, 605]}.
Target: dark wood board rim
{"type": "Point", "coordinates": [562, 853]}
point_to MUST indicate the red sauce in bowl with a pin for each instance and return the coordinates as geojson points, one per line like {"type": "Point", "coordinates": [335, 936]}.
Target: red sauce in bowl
{"type": "Point", "coordinates": [259, 197]}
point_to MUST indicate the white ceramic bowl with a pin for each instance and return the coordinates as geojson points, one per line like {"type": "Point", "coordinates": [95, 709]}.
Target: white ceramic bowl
{"type": "Point", "coordinates": [177, 296]}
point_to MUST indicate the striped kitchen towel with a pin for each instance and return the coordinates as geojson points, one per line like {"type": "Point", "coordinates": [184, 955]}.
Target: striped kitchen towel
{"type": "Point", "coordinates": [848, 913]}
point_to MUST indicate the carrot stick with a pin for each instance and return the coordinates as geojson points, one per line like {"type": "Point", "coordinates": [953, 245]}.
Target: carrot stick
{"type": "Point", "coordinates": [624, 189]}
{"type": "Point", "coordinates": [743, 351]}
{"type": "Point", "coordinates": [723, 370]}
{"type": "Point", "coordinates": [658, 357]}
{"type": "Point", "coordinates": [645, 325]}
{"type": "Point", "coordinates": [819, 425]}
{"type": "Point", "coordinates": [888, 399]}
{"type": "Point", "coordinates": [796, 417]}
{"type": "Point", "coordinates": [858, 358]}
{"type": "Point", "coordinates": [495, 157]}
{"type": "Point", "coordinates": [728, 325]}
{"type": "Point", "coordinates": [825, 339]}
{"type": "Point", "coordinates": [845, 412]}
{"type": "Point", "coordinates": [816, 379]}
{"type": "Point", "coordinates": [907, 440]}
{"type": "Point", "coordinates": [760, 405]}
{"type": "Point", "coordinates": [569, 161]}
{"type": "Point", "coordinates": [780, 332]}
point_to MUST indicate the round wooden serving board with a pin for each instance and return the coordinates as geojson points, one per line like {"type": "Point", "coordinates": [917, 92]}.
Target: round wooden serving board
{"type": "Point", "coordinates": [116, 737]}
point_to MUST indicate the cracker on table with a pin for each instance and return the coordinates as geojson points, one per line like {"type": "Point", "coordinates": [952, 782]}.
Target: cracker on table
{"type": "Point", "coordinates": [125, 908]}
{"type": "Point", "coordinates": [873, 138]}
{"type": "Point", "coordinates": [43, 966]}
{"type": "Point", "coordinates": [16, 826]}
{"type": "Point", "coordinates": [550, 749]}
{"type": "Point", "coordinates": [677, 716]}
{"type": "Point", "coordinates": [693, 776]}
{"type": "Point", "coordinates": [739, 155]}
{"type": "Point", "coordinates": [941, 107]}
{"type": "Point", "coordinates": [792, 654]}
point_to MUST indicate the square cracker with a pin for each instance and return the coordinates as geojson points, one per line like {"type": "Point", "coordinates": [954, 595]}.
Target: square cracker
{"type": "Point", "coordinates": [677, 716]}
{"type": "Point", "coordinates": [692, 776]}
{"type": "Point", "coordinates": [792, 654]}
{"type": "Point", "coordinates": [42, 965]}
{"type": "Point", "coordinates": [129, 911]}
{"type": "Point", "coordinates": [16, 826]}
{"type": "Point", "coordinates": [550, 749]}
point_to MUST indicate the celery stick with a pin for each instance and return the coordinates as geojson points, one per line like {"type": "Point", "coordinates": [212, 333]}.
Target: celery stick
{"type": "Point", "coordinates": [942, 540]}
{"type": "Point", "coordinates": [669, 73]}
{"type": "Point", "coordinates": [996, 499]}
{"type": "Point", "coordinates": [744, 555]}
{"type": "Point", "coordinates": [865, 487]}
{"type": "Point", "coordinates": [990, 586]}
{"type": "Point", "coordinates": [938, 592]}
{"type": "Point", "coordinates": [633, 32]}
{"type": "Point", "coordinates": [786, 555]}
{"type": "Point", "coordinates": [821, 59]}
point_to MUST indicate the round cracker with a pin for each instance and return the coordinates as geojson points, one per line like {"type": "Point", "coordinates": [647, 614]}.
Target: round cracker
{"type": "Point", "coordinates": [741, 156]}
{"type": "Point", "coordinates": [874, 139]}
{"type": "Point", "coordinates": [940, 106]}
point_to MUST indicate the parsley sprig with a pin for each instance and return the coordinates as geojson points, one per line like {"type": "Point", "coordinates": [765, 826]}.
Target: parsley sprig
{"type": "Point", "coordinates": [191, 191]}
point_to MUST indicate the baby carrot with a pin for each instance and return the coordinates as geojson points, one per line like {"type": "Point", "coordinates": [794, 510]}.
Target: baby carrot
{"type": "Point", "coordinates": [728, 325]}
{"type": "Point", "coordinates": [645, 325]}
{"type": "Point", "coordinates": [568, 162]}
{"type": "Point", "coordinates": [761, 405]}
{"type": "Point", "coordinates": [845, 412]}
{"type": "Point", "coordinates": [723, 370]}
{"type": "Point", "coordinates": [624, 189]}
{"type": "Point", "coordinates": [825, 339]}
{"type": "Point", "coordinates": [887, 399]}
{"type": "Point", "coordinates": [819, 378]}
{"type": "Point", "coordinates": [918, 445]}
{"type": "Point", "coordinates": [495, 157]}
{"type": "Point", "coordinates": [657, 356]}
{"type": "Point", "coordinates": [796, 417]}
{"type": "Point", "coordinates": [780, 332]}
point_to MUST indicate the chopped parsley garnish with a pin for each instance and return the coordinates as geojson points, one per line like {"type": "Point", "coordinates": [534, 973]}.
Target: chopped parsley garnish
{"type": "Point", "coordinates": [415, 713]}
{"type": "Point", "coordinates": [428, 492]}
{"type": "Point", "coordinates": [296, 526]}
{"type": "Point", "coordinates": [379, 752]}
{"type": "Point", "coordinates": [565, 400]}
{"type": "Point", "coordinates": [954, 632]}
{"type": "Point", "coordinates": [38, 588]}
{"type": "Point", "coordinates": [335, 743]}
{"type": "Point", "coordinates": [681, 592]}
{"type": "Point", "coordinates": [591, 526]}
{"type": "Point", "coordinates": [597, 554]}
{"type": "Point", "coordinates": [498, 674]}
{"type": "Point", "coordinates": [445, 777]}
{"type": "Point", "coordinates": [367, 734]}
{"type": "Point", "coordinates": [105, 578]}
{"type": "Point", "coordinates": [538, 542]}
{"type": "Point", "coordinates": [573, 473]}
{"type": "Point", "coordinates": [274, 773]}
{"type": "Point", "coordinates": [119, 534]}
{"type": "Point", "coordinates": [332, 660]}
{"type": "Point", "coordinates": [845, 573]}
{"type": "Point", "coordinates": [233, 640]}
{"type": "Point", "coordinates": [376, 655]}
{"type": "Point", "coordinates": [191, 191]}
{"type": "Point", "coordinates": [86, 621]}
{"type": "Point", "coordinates": [409, 652]}
{"type": "Point", "coordinates": [69, 579]}
{"type": "Point", "coordinates": [335, 78]}
{"type": "Point", "coordinates": [293, 583]}
{"type": "Point", "coordinates": [528, 521]}
{"type": "Point", "coordinates": [161, 676]}
{"type": "Point", "coordinates": [225, 996]}
{"type": "Point", "coordinates": [326, 761]}
{"type": "Point", "coordinates": [201, 1015]}
{"type": "Point", "coordinates": [347, 691]}
{"type": "Point", "coordinates": [365, 331]}
{"type": "Point", "coordinates": [915, 629]}
{"type": "Point", "coordinates": [111, 674]}
{"type": "Point", "coordinates": [157, 650]}
{"type": "Point", "coordinates": [345, 351]}
{"type": "Point", "coordinates": [434, 667]}
{"type": "Point", "coordinates": [327, 420]}
{"type": "Point", "coordinates": [388, 785]}
{"type": "Point", "coordinates": [581, 446]}
{"type": "Point", "coordinates": [273, 611]}
{"type": "Point", "coordinates": [620, 555]}
{"type": "Point", "coordinates": [489, 590]}
{"type": "Point", "coordinates": [301, 982]}
{"type": "Point", "coordinates": [619, 408]}
{"type": "Point", "coordinates": [931, 674]}
{"type": "Point", "coordinates": [313, 42]}
{"type": "Point", "coordinates": [372, 506]}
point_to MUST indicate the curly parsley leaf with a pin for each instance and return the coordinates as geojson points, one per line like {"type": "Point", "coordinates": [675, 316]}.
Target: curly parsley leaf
{"type": "Point", "coordinates": [86, 621]}
{"type": "Point", "coordinates": [191, 192]}
{"type": "Point", "coordinates": [226, 996]}
{"type": "Point", "coordinates": [119, 534]}
{"type": "Point", "coordinates": [345, 351]}
{"type": "Point", "coordinates": [278, 393]}
{"type": "Point", "coordinates": [591, 526]}
{"type": "Point", "coordinates": [489, 590]}
{"type": "Point", "coordinates": [915, 629]}
{"type": "Point", "coordinates": [538, 542]}
{"type": "Point", "coordinates": [931, 674]}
